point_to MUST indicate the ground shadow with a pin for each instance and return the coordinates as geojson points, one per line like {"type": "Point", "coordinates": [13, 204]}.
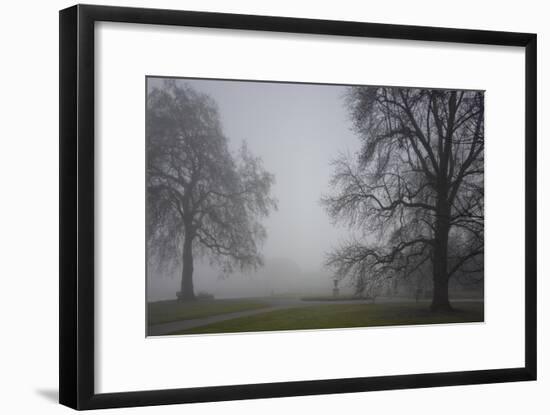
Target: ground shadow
{"type": "Point", "coordinates": [51, 395]}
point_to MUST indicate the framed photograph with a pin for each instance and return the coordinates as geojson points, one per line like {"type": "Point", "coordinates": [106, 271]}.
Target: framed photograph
{"type": "Point", "coordinates": [258, 206]}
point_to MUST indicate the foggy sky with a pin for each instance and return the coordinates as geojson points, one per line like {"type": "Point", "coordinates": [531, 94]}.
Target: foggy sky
{"type": "Point", "coordinates": [297, 130]}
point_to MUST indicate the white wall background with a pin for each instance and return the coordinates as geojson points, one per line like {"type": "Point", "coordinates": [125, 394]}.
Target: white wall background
{"type": "Point", "coordinates": [29, 206]}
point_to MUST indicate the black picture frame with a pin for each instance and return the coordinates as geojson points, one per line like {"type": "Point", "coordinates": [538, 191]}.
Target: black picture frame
{"type": "Point", "coordinates": [76, 280]}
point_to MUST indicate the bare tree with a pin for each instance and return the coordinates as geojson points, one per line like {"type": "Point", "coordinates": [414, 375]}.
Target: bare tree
{"type": "Point", "coordinates": [201, 199]}
{"type": "Point", "coordinates": [415, 187]}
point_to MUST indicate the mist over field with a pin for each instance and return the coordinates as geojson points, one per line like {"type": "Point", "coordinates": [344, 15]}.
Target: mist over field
{"type": "Point", "coordinates": [296, 130]}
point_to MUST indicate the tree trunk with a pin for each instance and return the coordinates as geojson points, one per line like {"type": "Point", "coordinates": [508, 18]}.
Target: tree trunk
{"type": "Point", "coordinates": [187, 292]}
{"type": "Point", "coordinates": [440, 299]}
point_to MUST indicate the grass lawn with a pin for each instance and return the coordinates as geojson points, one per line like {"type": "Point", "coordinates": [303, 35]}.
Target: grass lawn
{"type": "Point", "coordinates": [167, 311]}
{"type": "Point", "coordinates": [344, 315]}
{"type": "Point", "coordinates": [333, 298]}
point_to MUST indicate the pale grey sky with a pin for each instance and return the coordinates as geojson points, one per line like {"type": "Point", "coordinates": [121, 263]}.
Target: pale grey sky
{"type": "Point", "coordinates": [297, 129]}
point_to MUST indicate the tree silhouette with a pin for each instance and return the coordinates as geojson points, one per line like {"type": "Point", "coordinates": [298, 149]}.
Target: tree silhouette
{"type": "Point", "coordinates": [415, 187]}
{"type": "Point", "coordinates": [201, 199]}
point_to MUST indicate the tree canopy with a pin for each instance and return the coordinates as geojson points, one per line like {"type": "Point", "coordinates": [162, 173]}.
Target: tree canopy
{"type": "Point", "coordinates": [201, 198]}
{"type": "Point", "coordinates": [415, 188]}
